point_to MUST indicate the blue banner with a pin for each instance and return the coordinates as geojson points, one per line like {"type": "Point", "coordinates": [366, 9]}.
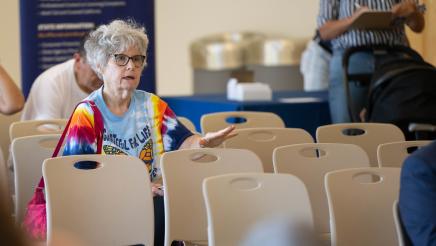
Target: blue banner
{"type": "Point", "coordinates": [51, 31]}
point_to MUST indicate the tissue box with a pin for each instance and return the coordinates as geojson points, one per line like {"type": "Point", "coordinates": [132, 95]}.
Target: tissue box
{"type": "Point", "coordinates": [253, 91]}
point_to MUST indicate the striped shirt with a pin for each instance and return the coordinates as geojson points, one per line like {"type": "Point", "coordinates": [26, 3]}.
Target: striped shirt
{"type": "Point", "coordinates": [337, 9]}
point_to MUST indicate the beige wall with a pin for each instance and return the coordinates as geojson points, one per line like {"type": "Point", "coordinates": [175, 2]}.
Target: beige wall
{"type": "Point", "coordinates": [9, 40]}
{"type": "Point", "coordinates": [10, 60]}
{"type": "Point", "coordinates": [430, 32]}
{"type": "Point", "coordinates": [424, 42]}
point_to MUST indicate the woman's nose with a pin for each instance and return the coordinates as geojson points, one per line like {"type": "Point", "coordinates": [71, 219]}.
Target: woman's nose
{"type": "Point", "coordinates": [130, 64]}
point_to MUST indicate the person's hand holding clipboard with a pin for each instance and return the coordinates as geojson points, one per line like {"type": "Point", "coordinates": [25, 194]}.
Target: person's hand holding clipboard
{"type": "Point", "coordinates": [405, 12]}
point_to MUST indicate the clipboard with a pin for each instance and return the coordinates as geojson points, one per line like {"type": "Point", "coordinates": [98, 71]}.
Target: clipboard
{"type": "Point", "coordinates": [373, 20]}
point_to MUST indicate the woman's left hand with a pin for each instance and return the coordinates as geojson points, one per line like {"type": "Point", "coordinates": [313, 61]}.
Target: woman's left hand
{"type": "Point", "coordinates": [157, 189]}
{"type": "Point", "coordinates": [214, 139]}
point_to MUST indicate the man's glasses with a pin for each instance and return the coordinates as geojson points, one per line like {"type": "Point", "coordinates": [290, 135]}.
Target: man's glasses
{"type": "Point", "coordinates": [122, 60]}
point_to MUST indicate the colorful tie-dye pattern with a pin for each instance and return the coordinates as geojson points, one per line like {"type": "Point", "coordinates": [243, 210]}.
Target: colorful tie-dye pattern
{"type": "Point", "coordinates": [148, 129]}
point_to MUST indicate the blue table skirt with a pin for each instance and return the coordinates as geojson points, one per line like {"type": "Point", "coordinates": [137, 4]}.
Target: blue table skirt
{"type": "Point", "coordinates": [299, 113]}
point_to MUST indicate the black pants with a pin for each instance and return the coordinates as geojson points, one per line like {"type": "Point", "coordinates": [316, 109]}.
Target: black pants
{"type": "Point", "coordinates": [159, 220]}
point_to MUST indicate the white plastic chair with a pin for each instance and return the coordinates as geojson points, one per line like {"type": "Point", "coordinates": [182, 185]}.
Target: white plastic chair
{"type": "Point", "coordinates": [36, 127]}
{"type": "Point", "coordinates": [4, 185]}
{"type": "Point", "coordinates": [398, 227]}
{"type": "Point", "coordinates": [361, 212]}
{"type": "Point", "coordinates": [263, 141]}
{"type": "Point", "coordinates": [394, 154]}
{"type": "Point", "coordinates": [310, 162]}
{"type": "Point", "coordinates": [5, 123]}
{"type": "Point", "coordinates": [372, 135]}
{"type": "Point", "coordinates": [187, 123]}
{"type": "Point", "coordinates": [183, 172]}
{"type": "Point", "coordinates": [217, 121]}
{"type": "Point", "coordinates": [237, 202]}
{"type": "Point", "coordinates": [28, 154]}
{"type": "Point", "coordinates": [109, 205]}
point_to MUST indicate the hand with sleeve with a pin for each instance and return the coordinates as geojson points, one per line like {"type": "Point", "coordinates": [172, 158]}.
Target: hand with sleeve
{"type": "Point", "coordinates": [408, 10]}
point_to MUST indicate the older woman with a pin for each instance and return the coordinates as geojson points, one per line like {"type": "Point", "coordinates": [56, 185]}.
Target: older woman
{"type": "Point", "coordinates": [135, 122]}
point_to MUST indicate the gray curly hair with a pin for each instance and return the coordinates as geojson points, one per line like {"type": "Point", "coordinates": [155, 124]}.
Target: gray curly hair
{"type": "Point", "coordinates": [114, 38]}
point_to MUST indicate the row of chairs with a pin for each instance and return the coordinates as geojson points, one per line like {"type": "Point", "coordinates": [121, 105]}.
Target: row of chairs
{"type": "Point", "coordinates": [215, 202]}
{"type": "Point", "coordinates": [263, 140]}
{"type": "Point", "coordinates": [209, 123]}
{"type": "Point", "coordinates": [309, 162]}
{"type": "Point", "coordinates": [389, 154]}
{"type": "Point", "coordinates": [312, 150]}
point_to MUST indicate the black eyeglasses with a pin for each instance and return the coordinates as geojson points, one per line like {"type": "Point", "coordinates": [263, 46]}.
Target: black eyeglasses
{"type": "Point", "coordinates": [122, 60]}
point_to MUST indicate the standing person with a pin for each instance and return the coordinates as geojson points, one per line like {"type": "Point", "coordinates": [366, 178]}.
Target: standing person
{"type": "Point", "coordinates": [417, 202]}
{"type": "Point", "coordinates": [334, 20]}
{"type": "Point", "coordinates": [57, 90]}
{"type": "Point", "coordinates": [11, 98]}
{"type": "Point", "coordinates": [135, 122]}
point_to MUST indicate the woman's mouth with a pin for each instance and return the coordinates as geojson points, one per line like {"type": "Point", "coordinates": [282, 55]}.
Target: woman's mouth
{"type": "Point", "coordinates": [128, 77]}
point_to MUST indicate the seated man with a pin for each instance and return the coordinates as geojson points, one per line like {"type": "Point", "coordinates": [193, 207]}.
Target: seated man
{"type": "Point", "coordinates": [56, 91]}
{"type": "Point", "coordinates": [417, 203]}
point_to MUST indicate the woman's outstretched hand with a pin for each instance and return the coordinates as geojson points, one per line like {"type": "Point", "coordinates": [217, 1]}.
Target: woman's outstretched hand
{"type": "Point", "coordinates": [157, 189]}
{"type": "Point", "coordinates": [214, 139]}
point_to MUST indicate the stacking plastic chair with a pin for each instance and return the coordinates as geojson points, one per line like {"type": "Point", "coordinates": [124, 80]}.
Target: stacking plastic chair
{"type": "Point", "coordinates": [394, 154]}
{"type": "Point", "coordinates": [4, 187]}
{"type": "Point", "coordinates": [263, 141]}
{"type": "Point", "coordinates": [183, 172]}
{"type": "Point", "coordinates": [5, 123]}
{"type": "Point", "coordinates": [187, 123]}
{"type": "Point", "coordinates": [28, 154]}
{"type": "Point", "coordinates": [361, 212]}
{"type": "Point", "coordinates": [109, 205]}
{"type": "Point", "coordinates": [310, 162]}
{"type": "Point", "coordinates": [237, 202]}
{"type": "Point", "coordinates": [367, 135]}
{"type": "Point", "coordinates": [36, 127]}
{"type": "Point", "coordinates": [217, 121]}
{"type": "Point", "coordinates": [398, 226]}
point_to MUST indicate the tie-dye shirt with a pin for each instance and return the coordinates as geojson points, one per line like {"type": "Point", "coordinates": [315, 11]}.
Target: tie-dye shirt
{"type": "Point", "coordinates": [147, 130]}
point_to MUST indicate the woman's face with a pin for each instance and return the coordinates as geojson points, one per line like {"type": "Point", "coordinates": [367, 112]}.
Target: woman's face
{"type": "Point", "coordinates": [122, 73]}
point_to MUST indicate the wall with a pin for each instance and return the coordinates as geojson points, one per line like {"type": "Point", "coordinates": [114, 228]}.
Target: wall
{"type": "Point", "coordinates": [10, 41]}
{"type": "Point", "coordinates": [178, 23]}
{"type": "Point", "coordinates": [10, 60]}
{"type": "Point", "coordinates": [430, 32]}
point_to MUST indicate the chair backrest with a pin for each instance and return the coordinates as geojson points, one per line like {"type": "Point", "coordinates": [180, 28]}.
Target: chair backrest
{"type": "Point", "coordinates": [310, 162]}
{"type": "Point", "coordinates": [361, 212]}
{"type": "Point", "coordinates": [243, 119]}
{"type": "Point", "coordinates": [394, 154]}
{"type": "Point", "coordinates": [4, 187]}
{"type": "Point", "coordinates": [183, 172]}
{"type": "Point", "coordinates": [398, 226]}
{"type": "Point", "coordinates": [187, 123]}
{"type": "Point", "coordinates": [28, 154]}
{"type": "Point", "coordinates": [263, 141]}
{"type": "Point", "coordinates": [5, 123]}
{"type": "Point", "coordinates": [36, 127]}
{"type": "Point", "coordinates": [109, 205]}
{"type": "Point", "coordinates": [237, 202]}
{"type": "Point", "coordinates": [366, 135]}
